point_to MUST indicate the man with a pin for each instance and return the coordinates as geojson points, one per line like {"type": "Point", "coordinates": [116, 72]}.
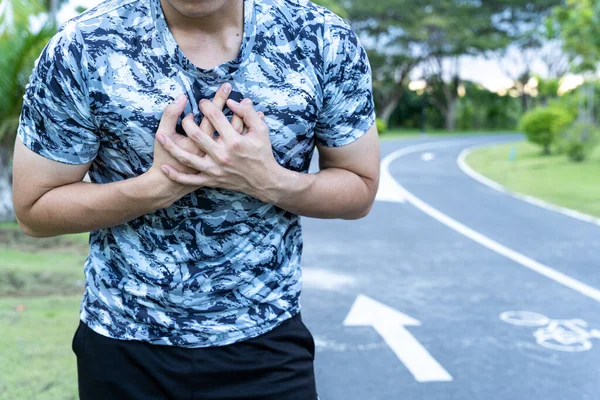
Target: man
{"type": "Point", "coordinates": [193, 278]}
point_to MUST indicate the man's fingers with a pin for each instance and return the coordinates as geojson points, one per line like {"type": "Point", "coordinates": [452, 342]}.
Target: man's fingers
{"type": "Point", "coordinates": [237, 123]}
{"type": "Point", "coordinates": [219, 102]}
{"type": "Point", "coordinates": [200, 137]}
{"type": "Point", "coordinates": [186, 158]}
{"type": "Point", "coordinates": [248, 114]}
{"type": "Point", "coordinates": [171, 114]}
{"type": "Point", "coordinates": [218, 119]}
{"type": "Point", "coordinates": [197, 180]}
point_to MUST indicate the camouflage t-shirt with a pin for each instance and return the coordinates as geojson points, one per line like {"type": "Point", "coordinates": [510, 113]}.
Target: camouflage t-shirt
{"type": "Point", "coordinates": [218, 266]}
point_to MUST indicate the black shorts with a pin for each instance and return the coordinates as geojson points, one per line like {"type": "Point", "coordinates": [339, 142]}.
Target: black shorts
{"type": "Point", "coordinates": [277, 365]}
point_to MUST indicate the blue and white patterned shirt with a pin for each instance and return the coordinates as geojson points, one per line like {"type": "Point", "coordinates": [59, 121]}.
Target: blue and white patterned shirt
{"type": "Point", "coordinates": [218, 266]}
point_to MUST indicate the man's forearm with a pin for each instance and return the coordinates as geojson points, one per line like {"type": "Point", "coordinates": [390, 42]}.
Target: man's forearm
{"type": "Point", "coordinates": [330, 193]}
{"type": "Point", "coordinates": [83, 207]}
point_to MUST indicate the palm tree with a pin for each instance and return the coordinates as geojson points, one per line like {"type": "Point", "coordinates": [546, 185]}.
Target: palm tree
{"type": "Point", "coordinates": [15, 14]}
{"type": "Point", "coordinates": [19, 48]}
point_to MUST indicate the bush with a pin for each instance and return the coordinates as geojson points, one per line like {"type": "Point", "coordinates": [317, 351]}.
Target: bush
{"type": "Point", "coordinates": [543, 124]}
{"type": "Point", "coordinates": [579, 140]}
{"type": "Point", "coordinates": [381, 125]}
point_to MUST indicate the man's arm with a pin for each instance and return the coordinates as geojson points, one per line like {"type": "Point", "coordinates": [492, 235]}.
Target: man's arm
{"type": "Point", "coordinates": [344, 188]}
{"type": "Point", "coordinates": [50, 199]}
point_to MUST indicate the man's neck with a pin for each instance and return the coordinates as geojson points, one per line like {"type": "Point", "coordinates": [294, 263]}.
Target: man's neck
{"type": "Point", "coordinates": [208, 38]}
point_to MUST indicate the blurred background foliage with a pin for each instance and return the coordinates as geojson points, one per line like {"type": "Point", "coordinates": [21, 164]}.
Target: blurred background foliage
{"type": "Point", "coordinates": [25, 28]}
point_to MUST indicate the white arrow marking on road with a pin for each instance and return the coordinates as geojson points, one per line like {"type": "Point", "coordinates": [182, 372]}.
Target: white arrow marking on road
{"type": "Point", "coordinates": [427, 156]}
{"type": "Point", "coordinates": [391, 325]}
{"type": "Point", "coordinates": [320, 278]}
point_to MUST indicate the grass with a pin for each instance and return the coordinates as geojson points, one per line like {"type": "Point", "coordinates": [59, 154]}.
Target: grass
{"type": "Point", "coordinates": [37, 267]}
{"type": "Point", "coordinates": [552, 178]}
{"type": "Point", "coordinates": [36, 360]}
{"type": "Point", "coordinates": [414, 133]}
{"type": "Point", "coordinates": [40, 274]}
{"type": "Point", "coordinates": [9, 225]}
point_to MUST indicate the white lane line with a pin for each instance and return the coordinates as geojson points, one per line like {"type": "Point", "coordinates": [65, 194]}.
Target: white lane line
{"type": "Point", "coordinates": [466, 168]}
{"type": "Point", "coordinates": [389, 190]}
{"type": "Point", "coordinates": [427, 156]}
{"type": "Point", "coordinates": [496, 247]}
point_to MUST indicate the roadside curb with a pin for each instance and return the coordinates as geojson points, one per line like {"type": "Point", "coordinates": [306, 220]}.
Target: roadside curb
{"type": "Point", "coordinates": [462, 164]}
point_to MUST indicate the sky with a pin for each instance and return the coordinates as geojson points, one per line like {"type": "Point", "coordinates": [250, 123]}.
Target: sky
{"type": "Point", "coordinates": [484, 71]}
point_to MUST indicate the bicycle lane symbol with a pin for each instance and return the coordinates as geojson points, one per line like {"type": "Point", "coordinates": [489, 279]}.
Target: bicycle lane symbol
{"type": "Point", "coordinates": [570, 335]}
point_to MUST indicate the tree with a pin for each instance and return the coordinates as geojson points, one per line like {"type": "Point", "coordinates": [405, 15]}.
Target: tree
{"type": "Point", "coordinates": [577, 23]}
{"type": "Point", "coordinates": [445, 94]}
{"type": "Point", "coordinates": [524, 23]}
{"type": "Point", "coordinates": [483, 110]}
{"type": "Point", "coordinates": [547, 89]}
{"type": "Point", "coordinates": [402, 35]}
{"type": "Point", "coordinates": [19, 47]}
{"type": "Point", "coordinates": [452, 39]}
{"type": "Point", "coordinates": [15, 14]}
{"type": "Point", "coordinates": [334, 6]}
{"type": "Point", "coordinates": [492, 27]}
{"type": "Point", "coordinates": [389, 30]}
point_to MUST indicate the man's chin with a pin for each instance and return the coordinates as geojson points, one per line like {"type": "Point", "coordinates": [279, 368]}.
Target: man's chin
{"type": "Point", "coordinates": [197, 8]}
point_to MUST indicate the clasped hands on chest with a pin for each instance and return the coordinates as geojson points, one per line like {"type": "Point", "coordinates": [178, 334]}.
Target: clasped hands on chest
{"type": "Point", "coordinates": [240, 158]}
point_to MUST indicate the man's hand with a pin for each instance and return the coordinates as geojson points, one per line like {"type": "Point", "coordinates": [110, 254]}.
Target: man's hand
{"type": "Point", "coordinates": [167, 128]}
{"type": "Point", "coordinates": [344, 188]}
{"type": "Point", "coordinates": [243, 163]}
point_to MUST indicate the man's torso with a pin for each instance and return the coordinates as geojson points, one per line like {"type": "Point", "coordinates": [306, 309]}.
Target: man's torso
{"type": "Point", "coordinates": [218, 266]}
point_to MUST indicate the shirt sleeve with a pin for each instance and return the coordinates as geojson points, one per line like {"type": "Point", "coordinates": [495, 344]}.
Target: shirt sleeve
{"type": "Point", "coordinates": [348, 109]}
{"type": "Point", "coordinates": [56, 120]}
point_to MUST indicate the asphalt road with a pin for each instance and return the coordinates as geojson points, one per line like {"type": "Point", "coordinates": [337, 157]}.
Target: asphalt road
{"type": "Point", "coordinates": [455, 256]}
